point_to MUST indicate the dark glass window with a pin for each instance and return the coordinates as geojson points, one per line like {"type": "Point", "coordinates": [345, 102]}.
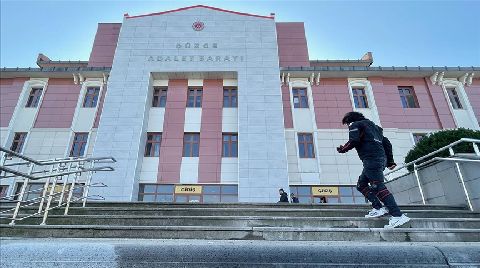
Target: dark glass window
{"type": "Point", "coordinates": [418, 137]}
{"type": "Point", "coordinates": [229, 97]}
{"type": "Point", "coordinates": [159, 97]}
{"type": "Point", "coordinates": [152, 146]}
{"type": "Point", "coordinates": [156, 192]}
{"type": "Point", "coordinates": [408, 98]}
{"type": "Point", "coordinates": [18, 141]}
{"type": "Point", "coordinates": [454, 98]}
{"type": "Point", "coordinates": [230, 145]}
{"type": "Point", "coordinates": [91, 97]}
{"type": "Point", "coordinates": [79, 144]}
{"type": "Point", "coordinates": [300, 99]}
{"type": "Point", "coordinates": [191, 143]}
{"type": "Point", "coordinates": [360, 98]}
{"type": "Point", "coordinates": [194, 97]}
{"type": "Point", "coordinates": [305, 145]}
{"type": "Point", "coordinates": [3, 191]}
{"type": "Point", "coordinates": [34, 97]}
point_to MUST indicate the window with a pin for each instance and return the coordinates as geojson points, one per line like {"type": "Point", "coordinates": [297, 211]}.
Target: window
{"type": "Point", "coordinates": [230, 143]}
{"type": "Point", "coordinates": [229, 97]}
{"type": "Point", "coordinates": [3, 191]}
{"type": "Point", "coordinates": [418, 137]}
{"type": "Point", "coordinates": [407, 96]}
{"type": "Point", "coordinates": [194, 98]}
{"type": "Point", "coordinates": [300, 99]}
{"type": "Point", "coordinates": [34, 97]}
{"type": "Point", "coordinates": [18, 141]}
{"type": "Point", "coordinates": [152, 147]}
{"type": "Point", "coordinates": [159, 97]}
{"type": "Point", "coordinates": [91, 97]}
{"type": "Point", "coordinates": [454, 98]}
{"type": "Point", "coordinates": [305, 145]}
{"type": "Point", "coordinates": [359, 98]}
{"type": "Point", "coordinates": [191, 144]}
{"type": "Point", "coordinates": [79, 144]}
{"type": "Point", "coordinates": [156, 192]}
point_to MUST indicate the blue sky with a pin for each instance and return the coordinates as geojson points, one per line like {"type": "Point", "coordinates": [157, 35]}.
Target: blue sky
{"type": "Point", "coordinates": [399, 33]}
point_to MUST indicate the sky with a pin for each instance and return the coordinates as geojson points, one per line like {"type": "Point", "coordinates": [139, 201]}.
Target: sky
{"type": "Point", "coordinates": [399, 33]}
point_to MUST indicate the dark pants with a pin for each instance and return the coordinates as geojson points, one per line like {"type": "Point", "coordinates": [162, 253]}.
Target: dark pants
{"type": "Point", "coordinates": [371, 185]}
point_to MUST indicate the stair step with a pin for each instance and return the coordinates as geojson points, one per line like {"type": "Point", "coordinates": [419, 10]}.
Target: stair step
{"type": "Point", "coordinates": [245, 233]}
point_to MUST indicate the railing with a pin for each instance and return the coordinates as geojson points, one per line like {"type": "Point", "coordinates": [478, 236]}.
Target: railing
{"type": "Point", "coordinates": [416, 165]}
{"type": "Point", "coordinates": [53, 171]}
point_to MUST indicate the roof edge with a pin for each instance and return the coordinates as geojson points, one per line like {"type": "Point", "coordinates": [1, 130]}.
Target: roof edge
{"type": "Point", "coordinates": [196, 6]}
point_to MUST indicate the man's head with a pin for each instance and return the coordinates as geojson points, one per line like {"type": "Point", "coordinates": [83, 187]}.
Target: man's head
{"type": "Point", "coordinates": [351, 117]}
{"type": "Point", "coordinates": [292, 194]}
{"type": "Point", "coordinates": [281, 191]}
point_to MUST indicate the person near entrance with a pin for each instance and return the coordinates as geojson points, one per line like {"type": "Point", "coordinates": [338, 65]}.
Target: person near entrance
{"type": "Point", "coordinates": [293, 198]}
{"type": "Point", "coordinates": [375, 151]}
{"type": "Point", "coordinates": [283, 196]}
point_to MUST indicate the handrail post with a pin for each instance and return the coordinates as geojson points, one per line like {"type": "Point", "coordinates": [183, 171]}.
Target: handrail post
{"type": "Point", "coordinates": [50, 197]}
{"type": "Point", "coordinates": [20, 197]}
{"type": "Point", "coordinates": [87, 184]}
{"type": "Point", "coordinates": [417, 176]}
{"type": "Point", "coordinates": [475, 148]}
{"type": "Point", "coordinates": [45, 189]}
{"type": "Point", "coordinates": [70, 193]}
{"type": "Point", "coordinates": [60, 201]}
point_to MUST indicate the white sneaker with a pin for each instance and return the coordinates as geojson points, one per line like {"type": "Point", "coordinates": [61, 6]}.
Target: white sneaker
{"type": "Point", "coordinates": [375, 213]}
{"type": "Point", "coordinates": [397, 221]}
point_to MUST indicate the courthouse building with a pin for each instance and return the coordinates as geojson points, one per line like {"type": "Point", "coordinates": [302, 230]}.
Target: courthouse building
{"type": "Point", "coordinates": [201, 104]}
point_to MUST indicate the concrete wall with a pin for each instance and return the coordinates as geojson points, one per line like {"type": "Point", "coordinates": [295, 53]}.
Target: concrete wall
{"type": "Point", "coordinates": [441, 185]}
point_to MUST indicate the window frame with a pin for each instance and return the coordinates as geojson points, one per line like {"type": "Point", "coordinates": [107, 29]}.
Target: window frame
{"type": "Point", "coordinates": [82, 143]}
{"type": "Point", "coordinates": [91, 100]}
{"type": "Point", "coordinates": [306, 145]}
{"type": "Point", "coordinates": [454, 98]}
{"type": "Point", "coordinates": [302, 99]}
{"type": "Point", "coordinates": [19, 141]}
{"type": "Point", "coordinates": [33, 99]}
{"type": "Point", "coordinates": [191, 142]}
{"type": "Point", "coordinates": [159, 99]}
{"type": "Point", "coordinates": [150, 151]}
{"type": "Point", "coordinates": [412, 95]}
{"type": "Point", "coordinates": [358, 97]}
{"type": "Point", "coordinates": [416, 135]}
{"type": "Point", "coordinates": [197, 94]}
{"type": "Point", "coordinates": [230, 143]}
{"type": "Point", "coordinates": [231, 94]}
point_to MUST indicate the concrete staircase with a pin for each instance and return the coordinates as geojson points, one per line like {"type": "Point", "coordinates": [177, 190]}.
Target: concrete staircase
{"type": "Point", "coordinates": [325, 222]}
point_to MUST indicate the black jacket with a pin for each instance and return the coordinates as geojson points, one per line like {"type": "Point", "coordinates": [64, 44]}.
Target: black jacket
{"type": "Point", "coordinates": [367, 138]}
{"type": "Point", "coordinates": [284, 197]}
{"type": "Point", "coordinates": [295, 200]}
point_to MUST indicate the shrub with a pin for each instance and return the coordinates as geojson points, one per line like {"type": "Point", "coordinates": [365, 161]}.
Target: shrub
{"type": "Point", "coordinates": [440, 139]}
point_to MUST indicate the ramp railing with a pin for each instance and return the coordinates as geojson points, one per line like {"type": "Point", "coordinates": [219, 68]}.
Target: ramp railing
{"type": "Point", "coordinates": [61, 181]}
{"type": "Point", "coordinates": [425, 161]}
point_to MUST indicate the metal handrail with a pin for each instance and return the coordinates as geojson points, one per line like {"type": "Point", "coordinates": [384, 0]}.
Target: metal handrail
{"type": "Point", "coordinates": [18, 173]}
{"type": "Point", "coordinates": [448, 147]}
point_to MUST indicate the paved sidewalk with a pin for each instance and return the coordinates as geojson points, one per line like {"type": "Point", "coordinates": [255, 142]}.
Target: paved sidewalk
{"type": "Point", "coordinates": [217, 253]}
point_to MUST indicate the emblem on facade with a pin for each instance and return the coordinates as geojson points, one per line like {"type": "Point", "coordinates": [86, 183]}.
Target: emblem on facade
{"type": "Point", "coordinates": [198, 25]}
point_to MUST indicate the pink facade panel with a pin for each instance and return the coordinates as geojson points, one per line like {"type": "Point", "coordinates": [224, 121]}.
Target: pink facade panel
{"type": "Point", "coordinates": [10, 90]}
{"type": "Point", "coordinates": [58, 105]}
{"type": "Point", "coordinates": [104, 45]}
{"type": "Point", "coordinates": [440, 105]}
{"type": "Point", "coordinates": [331, 101]}
{"type": "Point", "coordinates": [210, 162]}
{"type": "Point", "coordinates": [287, 107]}
{"type": "Point", "coordinates": [292, 44]}
{"type": "Point", "coordinates": [473, 93]}
{"type": "Point", "coordinates": [393, 115]}
{"type": "Point", "coordinates": [172, 136]}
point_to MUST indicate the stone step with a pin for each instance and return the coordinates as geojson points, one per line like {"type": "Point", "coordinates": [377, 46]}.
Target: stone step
{"type": "Point", "coordinates": [244, 233]}
{"type": "Point", "coordinates": [242, 221]}
{"type": "Point", "coordinates": [282, 211]}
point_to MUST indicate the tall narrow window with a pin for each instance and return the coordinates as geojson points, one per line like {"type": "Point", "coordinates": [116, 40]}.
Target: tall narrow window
{"type": "Point", "coordinates": [359, 98]}
{"type": "Point", "coordinates": [417, 137]}
{"type": "Point", "coordinates": [194, 98]}
{"type": "Point", "coordinates": [159, 97]}
{"type": "Point", "coordinates": [3, 191]}
{"type": "Point", "coordinates": [300, 99]}
{"type": "Point", "coordinates": [191, 144]}
{"type": "Point", "coordinates": [18, 141]}
{"type": "Point", "coordinates": [408, 98]}
{"type": "Point", "coordinates": [305, 145]}
{"type": "Point", "coordinates": [152, 147]}
{"type": "Point", "coordinates": [91, 97]}
{"type": "Point", "coordinates": [34, 97]}
{"type": "Point", "coordinates": [454, 98]}
{"type": "Point", "coordinates": [230, 145]}
{"type": "Point", "coordinates": [229, 97]}
{"type": "Point", "coordinates": [79, 144]}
